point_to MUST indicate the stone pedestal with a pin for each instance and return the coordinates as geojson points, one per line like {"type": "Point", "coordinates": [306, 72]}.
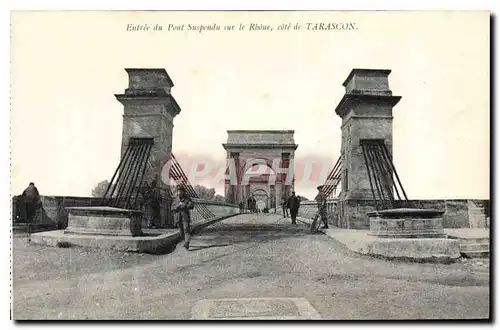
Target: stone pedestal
{"type": "Point", "coordinates": [407, 223]}
{"type": "Point", "coordinates": [103, 220]}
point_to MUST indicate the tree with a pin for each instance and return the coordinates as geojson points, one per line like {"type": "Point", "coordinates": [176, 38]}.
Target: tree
{"type": "Point", "coordinates": [100, 189]}
{"type": "Point", "coordinates": [204, 192]}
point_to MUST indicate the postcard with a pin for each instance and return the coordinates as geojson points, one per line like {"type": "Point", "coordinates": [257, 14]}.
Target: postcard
{"type": "Point", "coordinates": [250, 165]}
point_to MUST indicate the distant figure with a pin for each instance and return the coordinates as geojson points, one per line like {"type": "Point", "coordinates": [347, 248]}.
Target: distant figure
{"type": "Point", "coordinates": [30, 202]}
{"type": "Point", "coordinates": [151, 204]}
{"type": "Point", "coordinates": [293, 204]}
{"type": "Point", "coordinates": [183, 206]}
{"type": "Point", "coordinates": [242, 208]}
{"type": "Point", "coordinates": [249, 204]}
{"type": "Point", "coordinates": [252, 204]}
{"type": "Point", "coordinates": [321, 201]}
{"type": "Point", "coordinates": [284, 206]}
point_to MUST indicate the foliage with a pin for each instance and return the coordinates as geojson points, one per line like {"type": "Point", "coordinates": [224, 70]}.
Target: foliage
{"type": "Point", "coordinates": [100, 189]}
{"type": "Point", "coordinates": [204, 192]}
{"type": "Point", "coordinates": [208, 194]}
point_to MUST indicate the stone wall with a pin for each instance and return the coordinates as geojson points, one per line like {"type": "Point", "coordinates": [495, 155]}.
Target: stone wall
{"type": "Point", "coordinates": [459, 213]}
{"type": "Point", "coordinates": [53, 211]}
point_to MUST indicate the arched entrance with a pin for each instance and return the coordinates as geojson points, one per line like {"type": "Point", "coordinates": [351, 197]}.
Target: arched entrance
{"type": "Point", "coordinates": [262, 198]}
{"type": "Point", "coordinates": [267, 155]}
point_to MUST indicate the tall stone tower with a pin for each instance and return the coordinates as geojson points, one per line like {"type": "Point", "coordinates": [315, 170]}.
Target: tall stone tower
{"type": "Point", "coordinates": [149, 111]}
{"type": "Point", "coordinates": [366, 112]}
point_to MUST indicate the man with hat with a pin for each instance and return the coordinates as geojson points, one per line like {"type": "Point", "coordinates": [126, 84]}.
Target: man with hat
{"type": "Point", "coordinates": [293, 203]}
{"type": "Point", "coordinates": [182, 206]}
{"type": "Point", "coordinates": [321, 201]}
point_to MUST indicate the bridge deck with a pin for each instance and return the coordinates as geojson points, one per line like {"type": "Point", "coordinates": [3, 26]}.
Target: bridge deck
{"type": "Point", "coordinates": [243, 257]}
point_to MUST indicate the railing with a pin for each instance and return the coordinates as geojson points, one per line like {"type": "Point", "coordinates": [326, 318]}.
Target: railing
{"type": "Point", "coordinates": [204, 210]}
{"type": "Point", "coordinates": [218, 209]}
{"type": "Point", "coordinates": [309, 209]}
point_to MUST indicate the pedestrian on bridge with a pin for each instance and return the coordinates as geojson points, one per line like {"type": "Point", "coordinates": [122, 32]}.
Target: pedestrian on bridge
{"type": "Point", "coordinates": [321, 201]}
{"type": "Point", "coordinates": [293, 204]}
{"type": "Point", "coordinates": [252, 204]}
{"type": "Point", "coordinates": [30, 202]}
{"type": "Point", "coordinates": [249, 204]}
{"type": "Point", "coordinates": [183, 206]}
{"type": "Point", "coordinates": [284, 206]}
{"type": "Point", "coordinates": [151, 204]}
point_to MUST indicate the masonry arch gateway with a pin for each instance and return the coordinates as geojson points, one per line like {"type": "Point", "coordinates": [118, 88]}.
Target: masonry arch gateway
{"type": "Point", "coordinates": [273, 148]}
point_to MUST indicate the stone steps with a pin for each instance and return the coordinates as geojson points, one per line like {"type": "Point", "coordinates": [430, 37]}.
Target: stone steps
{"type": "Point", "coordinates": [474, 247]}
{"type": "Point", "coordinates": [477, 217]}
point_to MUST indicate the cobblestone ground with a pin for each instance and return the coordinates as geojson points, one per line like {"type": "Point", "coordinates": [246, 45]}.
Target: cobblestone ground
{"type": "Point", "coordinates": [242, 257]}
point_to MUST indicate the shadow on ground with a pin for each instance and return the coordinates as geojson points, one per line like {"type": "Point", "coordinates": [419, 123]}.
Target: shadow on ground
{"type": "Point", "coordinates": [231, 234]}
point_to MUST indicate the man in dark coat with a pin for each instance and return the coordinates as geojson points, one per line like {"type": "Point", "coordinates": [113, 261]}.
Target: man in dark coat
{"type": "Point", "coordinates": [183, 206]}
{"type": "Point", "coordinates": [252, 205]}
{"type": "Point", "coordinates": [152, 199]}
{"type": "Point", "coordinates": [293, 204]}
{"type": "Point", "coordinates": [249, 204]}
{"type": "Point", "coordinates": [30, 201]}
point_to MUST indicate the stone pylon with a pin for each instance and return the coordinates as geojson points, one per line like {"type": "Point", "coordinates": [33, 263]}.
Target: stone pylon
{"type": "Point", "coordinates": [149, 111]}
{"type": "Point", "coordinates": [366, 112]}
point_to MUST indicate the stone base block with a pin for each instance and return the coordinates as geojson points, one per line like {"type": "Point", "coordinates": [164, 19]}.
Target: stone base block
{"type": "Point", "coordinates": [407, 223]}
{"type": "Point", "coordinates": [103, 220]}
{"type": "Point", "coordinates": [415, 249]}
{"type": "Point", "coordinates": [153, 241]}
{"type": "Point", "coordinates": [410, 228]}
{"type": "Point", "coordinates": [148, 244]}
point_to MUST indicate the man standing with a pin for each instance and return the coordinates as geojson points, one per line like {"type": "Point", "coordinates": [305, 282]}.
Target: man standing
{"type": "Point", "coordinates": [284, 206]}
{"type": "Point", "coordinates": [30, 202]}
{"type": "Point", "coordinates": [249, 204]}
{"type": "Point", "coordinates": [253, 205]}
{"type": "Point", "coordinates": [183, 206]}
{"type": "Point", "coordinates": [321, 201]}
{"type": "Point", "coordinates": [293, 204]}
{"type": "Point", "coordinates": [151, 204]}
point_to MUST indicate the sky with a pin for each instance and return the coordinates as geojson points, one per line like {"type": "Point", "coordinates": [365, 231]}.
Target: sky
{"type": "Point", "coordinates": [66, 67]}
